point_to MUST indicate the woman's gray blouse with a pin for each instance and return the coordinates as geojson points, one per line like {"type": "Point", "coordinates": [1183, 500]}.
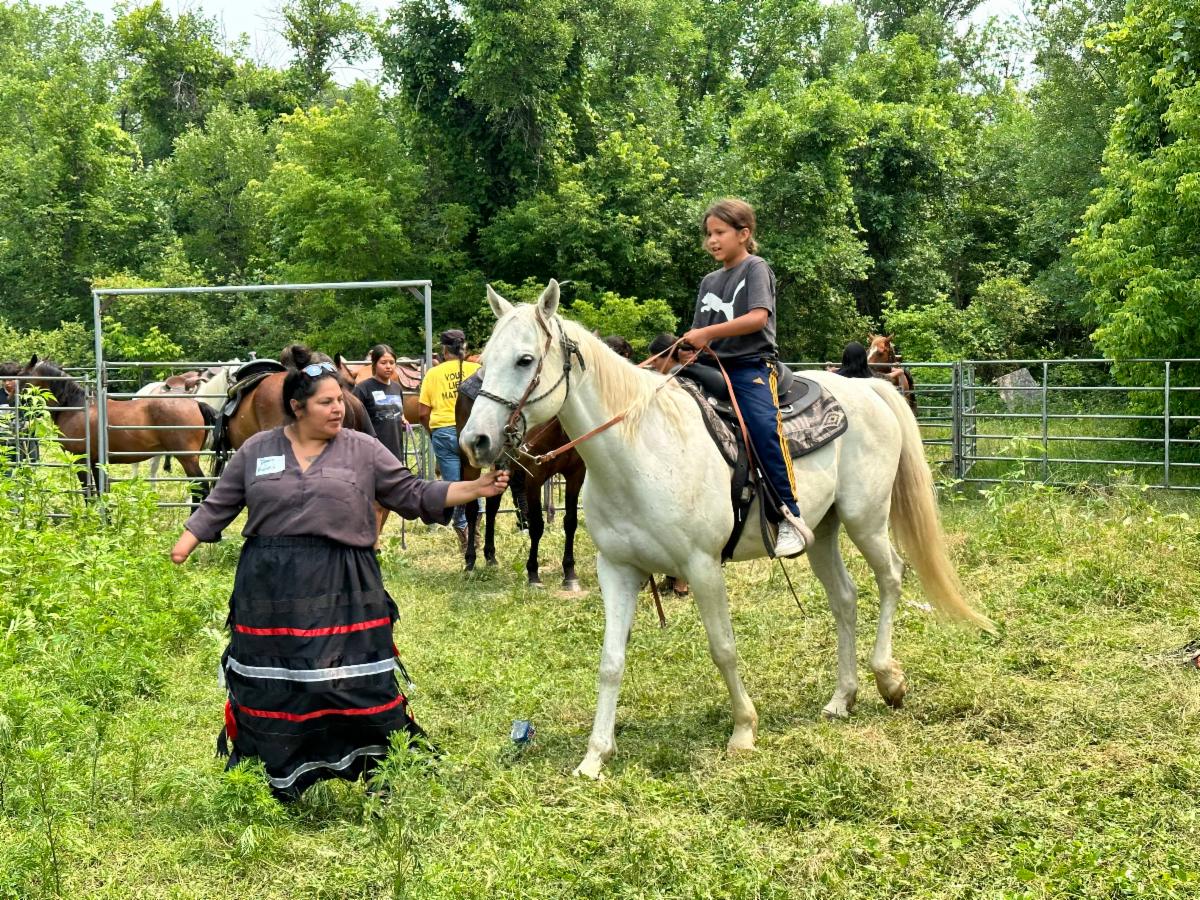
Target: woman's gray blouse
{"type": "Point", "coordinates": [332, 499]}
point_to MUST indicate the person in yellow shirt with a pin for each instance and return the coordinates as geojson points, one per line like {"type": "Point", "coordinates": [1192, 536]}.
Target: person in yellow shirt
{"type": "Point", "coordinates": [439, 393]}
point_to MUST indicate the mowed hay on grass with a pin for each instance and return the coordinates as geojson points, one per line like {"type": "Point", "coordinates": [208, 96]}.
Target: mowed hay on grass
{"type": "Point", "coordinates": [1058, 758]}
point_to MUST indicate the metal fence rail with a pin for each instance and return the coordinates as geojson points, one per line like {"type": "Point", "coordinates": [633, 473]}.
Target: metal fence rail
{"type": "Point", "coordinates": [1062, 421]}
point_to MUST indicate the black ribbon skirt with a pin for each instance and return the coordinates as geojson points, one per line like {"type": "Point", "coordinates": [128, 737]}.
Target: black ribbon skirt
{"type": "Point", "coordinates": [311, 666]}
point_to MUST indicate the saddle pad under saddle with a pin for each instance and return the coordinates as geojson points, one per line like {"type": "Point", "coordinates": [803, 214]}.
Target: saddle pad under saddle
{"type": "Point", "coordinates": [806, 429]}
{"type": "Point", "coordinates": [471, 386]}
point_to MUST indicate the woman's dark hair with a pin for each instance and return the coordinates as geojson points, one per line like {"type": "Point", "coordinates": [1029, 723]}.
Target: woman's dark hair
{"type": "Point", "coordinates": [297, 385]}
{"type": "Point", "coordinates": [662, 342]}
{"type": "Point", "coordinates": [378, 352]}
{"type": "Point", "coordinates": [8, 369]}
{"type": "Point", "coordinates": [854, 361]}
{"type": "Point", "coordinates": [735, 213]}
{"type": "Point", "coordinates": [619, 346]}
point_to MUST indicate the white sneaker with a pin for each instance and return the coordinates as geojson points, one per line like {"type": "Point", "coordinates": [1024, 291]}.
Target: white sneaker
{"type": "Point", "coordinates": [789, 542]}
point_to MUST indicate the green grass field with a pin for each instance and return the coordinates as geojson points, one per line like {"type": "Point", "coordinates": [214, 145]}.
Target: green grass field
{"type": "Point", "coordinates": [1058, 759]}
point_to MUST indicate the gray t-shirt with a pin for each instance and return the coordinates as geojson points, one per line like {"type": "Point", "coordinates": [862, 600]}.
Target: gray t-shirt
{"type": "Point", "coordinates": [332, 499]}
{"type": "Point", "coordinates": [728, 293]}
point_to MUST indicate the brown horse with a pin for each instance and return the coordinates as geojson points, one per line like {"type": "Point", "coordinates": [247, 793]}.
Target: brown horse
{"type": "Point", "coordinates": [138, 429]}
{"type": "Point", "coordinates": [262, 410]}
{"type": "Point", "coordinates": [528, 477]}
{"type": "Point", "coordinates": [884, 361]}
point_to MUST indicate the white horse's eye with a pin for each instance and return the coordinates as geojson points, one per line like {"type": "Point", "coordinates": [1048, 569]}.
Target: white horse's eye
{"type": "Point", "coordinates": [525, 359]}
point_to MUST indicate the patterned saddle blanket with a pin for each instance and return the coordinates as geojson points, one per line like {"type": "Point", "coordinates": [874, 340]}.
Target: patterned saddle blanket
{"type": "Point", "coordinates": [811, 418]}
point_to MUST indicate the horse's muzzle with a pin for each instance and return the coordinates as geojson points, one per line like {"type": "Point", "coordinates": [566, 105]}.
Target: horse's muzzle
{"type": "Point", "coordinates": [480, 449]}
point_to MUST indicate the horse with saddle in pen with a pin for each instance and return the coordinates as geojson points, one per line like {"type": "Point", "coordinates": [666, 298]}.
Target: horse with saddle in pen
{"type": "Point", "coordinates": [660, 495]}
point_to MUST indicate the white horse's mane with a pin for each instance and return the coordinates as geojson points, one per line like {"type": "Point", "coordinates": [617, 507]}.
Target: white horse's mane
{"type": "Point", "coordinates": [622, 386]}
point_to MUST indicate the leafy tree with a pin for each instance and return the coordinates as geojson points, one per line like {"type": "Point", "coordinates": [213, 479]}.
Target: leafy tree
{"type": "Point", "coordinates": [639, 322]}
{"type": "Point", "coordinates": [323, 33]}
{"type": "Point", "coordinates": [1138, 249]}
{"type": "Point", "coordinates": [1070, 113]}
{"type": "Point", "coordinates": [615, 220]}
{"type": "Point", "coordinates": [174, 69]}
{"type": "Point", "coordinates": [74, 200]}
{"type": "Point", "coordinates": [344, 201]}
{"type": "Point", "coordinates": [205, 182]}
{"type": "Point", "coordinates": [792, 158]}
{"type": "Point", "coordinates": [69, 344]}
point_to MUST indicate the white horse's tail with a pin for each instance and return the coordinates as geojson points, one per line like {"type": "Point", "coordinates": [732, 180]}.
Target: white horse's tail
{"type": "Point", "coordinates": [915, 518]}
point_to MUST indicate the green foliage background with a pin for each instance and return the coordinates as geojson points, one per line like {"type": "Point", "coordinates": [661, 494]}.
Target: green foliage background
{"type": "Point", "coordinates": [979, 188]}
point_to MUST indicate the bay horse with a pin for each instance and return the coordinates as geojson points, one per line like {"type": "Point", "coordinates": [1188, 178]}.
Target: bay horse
{"type": "Point", "coordinates": [527, 480]}
{"type": "Point", "coordinates": [262, 407]}
{"type": "Point", "coordinates": [657, 499]}
{"type": "Point", "coordinates": [188, 419]}
{"type": "Point", "coordinates": [884, 361]}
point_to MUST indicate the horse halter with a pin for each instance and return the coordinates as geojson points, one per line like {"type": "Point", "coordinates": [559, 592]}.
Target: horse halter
{"type": "Point", "coordinates": [513, 434]}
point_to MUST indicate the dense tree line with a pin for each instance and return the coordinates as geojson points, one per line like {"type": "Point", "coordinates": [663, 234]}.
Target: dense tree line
{"type": "Point", "coordinates": [979, 189]}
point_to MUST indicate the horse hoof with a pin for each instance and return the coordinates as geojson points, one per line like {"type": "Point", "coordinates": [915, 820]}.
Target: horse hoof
{"type": "Point", "coordinates": [590, 768]}
{"type": "Point", "coordinates": [571, 585]}
{"type": "Point", "coordinates": [738, 745]}
{"type": "Point", "coordinates": [536, 584]}
{"type": "Point", "coordinates": [491, 562]}
{"type": "Point", "coordinates": [892, 687]}
{"type": "Point", "coordinates": [838, 709]}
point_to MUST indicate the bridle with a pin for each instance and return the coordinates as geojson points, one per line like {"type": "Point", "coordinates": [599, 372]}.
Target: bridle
{"type": "Point", "coordinates": [515, 427]}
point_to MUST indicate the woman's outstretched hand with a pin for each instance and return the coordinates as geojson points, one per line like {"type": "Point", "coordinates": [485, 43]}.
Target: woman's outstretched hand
{"type": "Point", "coordinates": [183, 547]}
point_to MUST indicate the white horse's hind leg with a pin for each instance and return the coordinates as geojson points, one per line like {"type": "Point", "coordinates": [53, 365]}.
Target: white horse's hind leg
{"type": "Point", "coordinates": [708, 587]}
{"type": "Point", "coordinates": [619, 585]}
{"type": "Point", "coordinates": [825, 557]}
{"type": "Point", "coordinates": [888, 567]}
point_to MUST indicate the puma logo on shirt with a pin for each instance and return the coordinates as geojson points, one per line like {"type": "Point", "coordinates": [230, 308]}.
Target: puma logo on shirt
{"type": "Point", "coordinates": [712, 303]}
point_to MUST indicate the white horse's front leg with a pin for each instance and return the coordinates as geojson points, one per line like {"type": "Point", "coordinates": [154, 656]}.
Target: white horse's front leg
{"type": "Point", "coordinates": [708, 586]}
{"type": "Point", "coordinates": [619, 585]}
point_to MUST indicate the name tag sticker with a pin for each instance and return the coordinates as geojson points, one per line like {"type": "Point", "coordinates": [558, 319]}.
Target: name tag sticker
{"type": "Point", "coordinates": [268, 465]}
{"type": "Point", "coordinates": [380, 396]}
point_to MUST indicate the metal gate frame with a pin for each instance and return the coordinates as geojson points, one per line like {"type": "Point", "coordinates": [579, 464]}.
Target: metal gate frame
{"type": "Point", "coordinates": [422, 289]}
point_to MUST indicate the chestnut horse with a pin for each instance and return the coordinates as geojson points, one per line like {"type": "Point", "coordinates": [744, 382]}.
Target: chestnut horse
{"type": "Point", "coordinates": [885, 363]}
{"type": "Point", "coordinates": [541, 439]}
{"type": "Point", "coordinates": [177, 426]}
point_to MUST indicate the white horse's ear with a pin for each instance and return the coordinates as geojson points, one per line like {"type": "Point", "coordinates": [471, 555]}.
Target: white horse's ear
{"type": "Point", "coordinates": [547, 304]}
{"type": "Point", "coordinates": [499, 305]}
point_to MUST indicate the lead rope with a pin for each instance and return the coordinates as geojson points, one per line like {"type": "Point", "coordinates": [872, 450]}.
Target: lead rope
{"type": "Point", "coordinates": [662, 619]}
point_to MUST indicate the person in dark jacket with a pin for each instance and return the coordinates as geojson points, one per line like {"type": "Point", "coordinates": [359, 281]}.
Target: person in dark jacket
{"type": "Point", "coordinates": [311, 664]}
{"type": "Point", "coordinates": [854, 362]}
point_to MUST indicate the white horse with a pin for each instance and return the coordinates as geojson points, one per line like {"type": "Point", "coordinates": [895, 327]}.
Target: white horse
{"type": "Point", "coordinates": [657, 499]}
